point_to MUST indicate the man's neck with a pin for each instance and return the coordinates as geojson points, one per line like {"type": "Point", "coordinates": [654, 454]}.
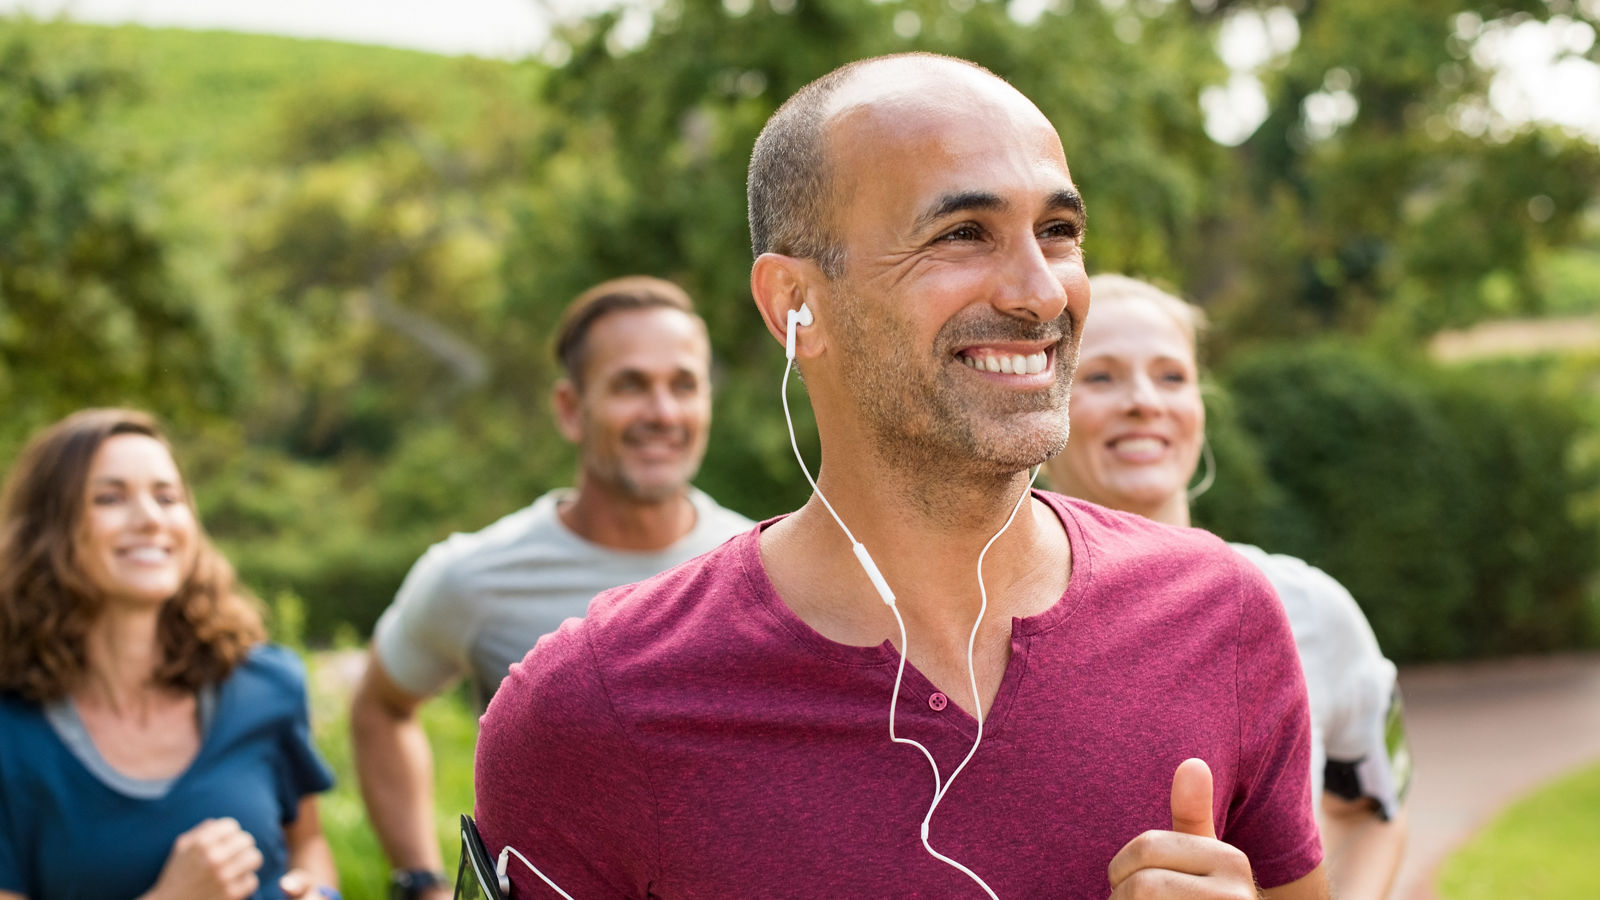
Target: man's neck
{"type": "Point", "coordinates": [929, 558]}
{"type": "Point", "coordinates": [925, 534]}
{"type": "Point", "coordinates": [622, 523]}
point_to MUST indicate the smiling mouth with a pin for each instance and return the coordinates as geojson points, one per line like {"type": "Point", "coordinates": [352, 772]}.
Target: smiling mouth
{"type": "Point", "coordinates": [1139, 447]}
{"type": "Point", "coordinates": [1007, 363]}
{"type": "Point", "coordinates": [650, 441]}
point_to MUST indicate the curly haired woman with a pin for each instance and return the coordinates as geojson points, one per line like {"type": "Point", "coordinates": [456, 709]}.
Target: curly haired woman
{"type": "Point", "coordinates": [151, 745]}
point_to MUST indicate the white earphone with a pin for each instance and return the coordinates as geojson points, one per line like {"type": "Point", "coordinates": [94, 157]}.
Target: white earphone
{"type": "Point", "coordinates": [801, 316]}
{"type": "Point", "coordinates": [941, 785]}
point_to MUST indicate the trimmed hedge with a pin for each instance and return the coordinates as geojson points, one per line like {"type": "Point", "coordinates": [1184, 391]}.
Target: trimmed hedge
{"type": "Point", "coordinates": [1449, 502]}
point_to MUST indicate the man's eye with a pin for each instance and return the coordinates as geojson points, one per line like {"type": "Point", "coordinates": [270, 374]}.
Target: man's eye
{"type": "Point", "coordinates": [1097, 378]}
{"type": "Point", "coordinates": [1062, 231]}
{"type": "Point", "coordinates": [962, 233]}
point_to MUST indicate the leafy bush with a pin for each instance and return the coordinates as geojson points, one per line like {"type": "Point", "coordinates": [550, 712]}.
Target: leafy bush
{"type": "Point", "coordinates": [1534, 553]}
{"type": "Point", "coordinates": [1446, 501]}
{"type": "Point", "coordinates": [1243, 502]}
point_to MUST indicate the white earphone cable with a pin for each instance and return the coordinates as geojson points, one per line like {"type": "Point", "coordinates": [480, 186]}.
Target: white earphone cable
{"type": "Point", "coordinates": [788, 419]}
{"type": "Point", "coordinates": [940, 786]}
{"type": "Point", "coordinates": [505, 883]}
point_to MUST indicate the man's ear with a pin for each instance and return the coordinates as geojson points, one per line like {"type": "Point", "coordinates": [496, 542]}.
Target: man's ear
{"type": "Point", "coordinates": [569, 412]}
{"type": "Point", "coordinates": [780, 284]}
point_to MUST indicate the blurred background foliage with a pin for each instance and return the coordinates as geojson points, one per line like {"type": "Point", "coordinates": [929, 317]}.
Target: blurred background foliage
{"type": "Point", "coordinates": [335, 269]}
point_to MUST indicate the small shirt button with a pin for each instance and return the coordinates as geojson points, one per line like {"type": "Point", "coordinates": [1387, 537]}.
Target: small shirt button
{"type": "Point", "coordinates": [938, 701]}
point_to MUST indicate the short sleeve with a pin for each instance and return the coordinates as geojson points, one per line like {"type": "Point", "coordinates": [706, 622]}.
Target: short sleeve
{"type": "Point", "coordinates": [1364, 738]}
{"type": "Point", "coordinates": [422, 637]}
{"type": "Point", "coordinates": [557, 778]}
{"type": "Point", "coordinates": [1368, 756]}
{"type": "Point", "coordinates": [301, 769]}
{"type": "Point", "coordinates": [1272, 803]}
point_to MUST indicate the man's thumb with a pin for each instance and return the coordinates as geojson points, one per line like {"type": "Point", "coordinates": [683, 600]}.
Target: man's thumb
{"type": "Point", "coordinates": [1191, 799]}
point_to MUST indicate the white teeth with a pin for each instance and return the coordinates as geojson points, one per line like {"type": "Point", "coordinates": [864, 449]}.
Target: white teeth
{"type": "Point", "coordinates": [1139, 446]}
{"type": "Point", "coordinates": [147, 554]}
{"type": "Point", "coordinates": [1015, 364]}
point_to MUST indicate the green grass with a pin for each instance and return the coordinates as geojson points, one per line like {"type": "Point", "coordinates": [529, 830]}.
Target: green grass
{"type": "Point", "coordinates": [1545, 846]}
{"type": "Point", "coordinates": [203, 94]}
{"type": "Point", "coordinates": [452, 726]}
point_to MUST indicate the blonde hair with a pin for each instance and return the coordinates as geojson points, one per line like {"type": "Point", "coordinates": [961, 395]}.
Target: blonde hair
{"type": "Point", "coordinates": [1112, 288]}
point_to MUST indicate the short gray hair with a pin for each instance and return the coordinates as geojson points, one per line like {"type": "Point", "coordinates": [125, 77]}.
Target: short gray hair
{"type": "Point", "coordinates": [790, 187]}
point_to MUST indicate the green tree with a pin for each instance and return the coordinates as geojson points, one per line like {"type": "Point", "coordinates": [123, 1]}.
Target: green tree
{"type": "Point", "coordinates": [377, 239]}
{"type": "Point", "coordinates": [1381, 190]}
{"type": "Point", "coordinates": [648, 174]}
{"type": "Point", "coordinates": [93, 309]}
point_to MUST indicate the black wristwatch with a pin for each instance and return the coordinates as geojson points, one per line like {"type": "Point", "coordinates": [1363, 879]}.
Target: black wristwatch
{"type": "Point", "coordinates": [408, 884]}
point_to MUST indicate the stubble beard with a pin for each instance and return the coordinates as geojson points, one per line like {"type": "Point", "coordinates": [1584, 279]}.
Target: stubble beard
{"type": "Point", "coordinates": [936, 422]}
{"type": "Point", "coordinates": [620, 481]}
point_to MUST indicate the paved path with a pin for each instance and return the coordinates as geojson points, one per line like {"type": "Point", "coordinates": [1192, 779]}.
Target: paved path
{"type": "Point", "coordinates": [1483, 735]}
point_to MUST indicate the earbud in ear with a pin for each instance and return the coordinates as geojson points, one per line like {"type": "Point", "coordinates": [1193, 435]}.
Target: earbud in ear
{"type": "Point", "coordinates": [801, 316]}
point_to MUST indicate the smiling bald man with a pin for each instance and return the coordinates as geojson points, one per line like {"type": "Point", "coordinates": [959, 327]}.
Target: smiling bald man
{"type": "Point", "coordinates": [930, 680]}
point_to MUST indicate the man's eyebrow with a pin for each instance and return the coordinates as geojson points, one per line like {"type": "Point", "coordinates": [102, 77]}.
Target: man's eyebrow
{"type": "Point", "coordinates": [969, 201]}
{"type": "Point", "coordinates": [1066, 199]}
{"type": "Point", "coordinates": [965, 201]}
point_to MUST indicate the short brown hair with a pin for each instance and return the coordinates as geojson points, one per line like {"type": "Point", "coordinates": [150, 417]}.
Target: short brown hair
{"type": "Point", "coordinates": [48, 605]}
{"type": "Point", "coordinates": [605, 298]}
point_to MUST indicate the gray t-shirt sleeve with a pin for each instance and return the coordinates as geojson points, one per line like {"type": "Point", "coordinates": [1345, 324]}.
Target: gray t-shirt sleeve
{"type": "Point", "coordinates": [475, 604]}
{"type": "Point", "coordinates": [423, 638]}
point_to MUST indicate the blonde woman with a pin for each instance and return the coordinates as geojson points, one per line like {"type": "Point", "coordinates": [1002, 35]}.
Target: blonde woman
{"type": "Point", "coordinates": [1137, 435]}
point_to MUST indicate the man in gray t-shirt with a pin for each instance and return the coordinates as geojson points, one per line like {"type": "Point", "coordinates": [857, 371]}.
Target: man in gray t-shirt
{"type": "Point", "coordinates": [636, 400]}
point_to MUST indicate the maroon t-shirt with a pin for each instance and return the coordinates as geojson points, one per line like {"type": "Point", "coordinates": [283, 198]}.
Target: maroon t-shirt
{"type": "Point", "coordinates": [694, 738]}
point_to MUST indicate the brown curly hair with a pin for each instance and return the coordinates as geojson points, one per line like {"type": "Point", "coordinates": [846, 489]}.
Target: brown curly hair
{"type": "Point", "coordinates": [48, 605]}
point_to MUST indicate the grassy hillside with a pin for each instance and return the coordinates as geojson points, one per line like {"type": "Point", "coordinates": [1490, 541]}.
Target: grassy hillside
{"type": "Point", "coordinates": [208, 96]}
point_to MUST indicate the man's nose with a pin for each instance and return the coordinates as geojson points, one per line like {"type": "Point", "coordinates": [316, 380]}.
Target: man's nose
{"type": "Point", "coordinates": [1033, 284]}
{"type": "Point", "coordinates": [663, 404]}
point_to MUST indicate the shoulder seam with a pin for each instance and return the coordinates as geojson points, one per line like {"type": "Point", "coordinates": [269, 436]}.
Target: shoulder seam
{"type": "Point", "coordinates": [658, 863]}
